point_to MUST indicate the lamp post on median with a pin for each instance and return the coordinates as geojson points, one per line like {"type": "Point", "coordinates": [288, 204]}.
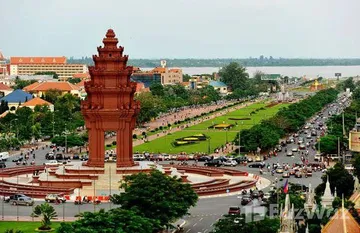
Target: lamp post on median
{"type": "Point", "coordinates": [66, 132]}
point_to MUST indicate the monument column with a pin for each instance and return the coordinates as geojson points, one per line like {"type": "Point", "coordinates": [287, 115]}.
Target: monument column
{"type": "Point", "coordinates": [124, 152]}
{"type": "Point", "coordinates": [96, 153]}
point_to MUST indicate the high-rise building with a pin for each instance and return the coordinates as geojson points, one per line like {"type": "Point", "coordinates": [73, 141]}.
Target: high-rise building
{"type": "Point", "coordinates": [32, 65]}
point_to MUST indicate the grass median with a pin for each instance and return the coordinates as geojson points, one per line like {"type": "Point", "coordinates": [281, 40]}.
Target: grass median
{"type": "Point", "coordinates": [243, 118]}
{"type": "Point", "coordinates": [26, 227]}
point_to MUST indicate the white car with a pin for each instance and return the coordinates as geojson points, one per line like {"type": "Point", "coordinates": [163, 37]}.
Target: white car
{"type": "Point", "coordinates": [4, 156]}
{"type": "Point", "coordinates": [232, 163]}
{"type": "Point", "coordinates": [294, 149]}
{"type": "Point", "coordinates": [53, 163]}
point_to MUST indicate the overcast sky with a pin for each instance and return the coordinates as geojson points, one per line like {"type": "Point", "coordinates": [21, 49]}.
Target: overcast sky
{"type": "Point", "coordinates": [183, 28]}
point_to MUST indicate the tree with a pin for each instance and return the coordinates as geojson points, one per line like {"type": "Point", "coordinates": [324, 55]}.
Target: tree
{"type": "Point", "coordinates": [356, 164]}
{"type": "Point", "coordinates": [340, 178]}
{"type": "Point", "coordinates": [157, 89]}
{"type": "Point", "coordinates": [71, 140]}
{"type": "Point", "coordinates": [349, 83]}
{"type": "Point", "coordinates": [48, 212]}
{"type": "Point", "coordinates": [54, 74]}
{"type": "Point", "coordinates": [234, 76]}
{"type": "Point", "coordinates": [52, 95]}
{"type": "Point", "coordinates": [235, 224]}
{"type": "Point", "coordinates": [156, 196]}
{"type": "Point", "coordinates": [186, 77]}
{"type": "Point", "coordinates": [329, 144]}
{"type": "Point", "coordinates": [74, 80]}
{"type": "Point", "coordinates": [115, 220]}
{"type": "Point", "coordinates": [151, 106]}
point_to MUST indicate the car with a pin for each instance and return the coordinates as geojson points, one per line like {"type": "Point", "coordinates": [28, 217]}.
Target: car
{"type": "Point", "coordinates": [54, 197]}
{"type": "Point", "coordinates": [317, 157]}
{"type": "Point", "coordinates": [138, 157]}
{"type": "Point", "coordinates": [213, 163]}
{"type": "Point", "coordinates": [289, 140]}
{"type": "Point", "coordinates": [76, 156]}
{"type": "Point", "coordinates": [295, 149]}
{"type": "Point", "coordinates": [296, 135]}
{"type": "Point", "coordinates": [266, 196]}
{"type": "Point", "coordinates": [308, 136]}
{"type": "Point", "coordinates": [255, 194]}
{"type": "Point", "coordinates": [19, 159]}
{"type": "Point", "coordinates": [2, 164]}
{"type": "Point", "coordinates": [286, 175]}
{"type": "Point", "coordinates": [289, 153]}
{"type": "Point", "coordinates": [302, 147]}
{"type": "Point", "coordinates": [313, 133]}
{"type": "Point", "coordinates": [279, 170]}
{"type": "Point", "coordinates": [292, 172]}
{"type": "Point", "coordinates": [4, 156]}
{"type": "Point", "coordinates": [182, 158]}
{"type": "Point", "coordinates": [241, 159]}
{"type": "Point", "coordinates": [19, 199]}
{"type": "Point", "coordinates": [53, 163]}
{"type": "Point", "coordinates": [298, 174]}
{"type": "Point", "coordinates": [257, 165]}
{"type": "Point", "coordinates": [229, 162]}
{"type": "Point", "coordinates": [204, 158]}
{"type": "Point", "coordinates": [84, 158]}
{"type": "Point", "coordinates": [308, 172]}
{"type": "Point", "coordinates": [258, 159]}
{"type": "Point", "coordinates": [250, 160]}
{"type": "Point", "coordinates": [50, 156]}
{"type": "Point", "coordinates": [191, 156]}
{"type": "Point", "coordinates": [278, 148]}
{"type": "Point", "coordinates": [234, 210]}
{"type": "Point", "coordinates": [165, 156]}
{"type": "Point", "coordinates": [246, 200]}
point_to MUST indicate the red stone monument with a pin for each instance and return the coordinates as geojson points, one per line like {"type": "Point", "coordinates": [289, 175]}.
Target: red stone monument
{"type": "Point", "coordinates": [110, 104]}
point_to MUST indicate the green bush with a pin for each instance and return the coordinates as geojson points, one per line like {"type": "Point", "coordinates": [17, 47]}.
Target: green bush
{"type": "Point", "coordinates": [114, 143]}
{"type": "Point", "coordinates": [135, 136]}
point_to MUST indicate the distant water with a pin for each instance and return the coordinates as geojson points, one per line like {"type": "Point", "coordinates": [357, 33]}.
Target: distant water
{"type": "Point", "coordinates": [297, 71]}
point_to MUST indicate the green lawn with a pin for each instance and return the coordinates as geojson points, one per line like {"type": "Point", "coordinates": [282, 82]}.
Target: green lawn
{"type": "Point", "coordinates": [217, 137]}
{"type": "Point", "coordinates": [26, 227]}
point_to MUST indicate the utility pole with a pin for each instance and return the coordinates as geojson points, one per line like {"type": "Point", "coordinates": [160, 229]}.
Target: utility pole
{"type": "Point", "coordinates": [239, 143]}
{"type": "Point", "coordinates": [53, 125]}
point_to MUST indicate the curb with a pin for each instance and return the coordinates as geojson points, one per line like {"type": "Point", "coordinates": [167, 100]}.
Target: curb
{"type": "Point", "coordinates": [181, 225]}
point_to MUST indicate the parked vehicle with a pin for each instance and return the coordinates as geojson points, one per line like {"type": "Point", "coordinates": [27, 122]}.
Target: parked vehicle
{"type": "Point", "coordinates": [234, 210]}
{"type": "Point", "coordinates": [289, 153]}
{"type": "Point", "coordinates": [4, 156]}
{"type": "Point", "coordinates": [298, 174]}
{"type": "Point", "coordinates": [138, 157]}
{"type": "Point", "coordinates": [204, 158]}
{"type": "Point", "coordinates": [19, 199]}
{"type": "Point", "coordinates": [84, 158]}
{"type": "Point", "coordinates": [50, 156]}
{"type": "Point", "coordinates": [19, 159]}
{"type": "Point", "coordinates": [241, 159]}
{"type": "Point", "coordinates": [54, 197]}
{"type": "Point", "coordinates": [2, 164]}
{"type": "Point", "coordinates": [286, 175]}
{"type": "Point", "coordinates": [279, 170]}
{"type": "Point", "coordinates": [257, 165]}
{"type": "Point", "coordinates": [246, 200]}
{"type": "Point", "coordinates": [213, 163]}
{"type": "Point", "coordinates": [231, 163]}
{"type": "Point", "coordinates": [53, 163]}
{"type": "Point", "coordinates": [76, 156]}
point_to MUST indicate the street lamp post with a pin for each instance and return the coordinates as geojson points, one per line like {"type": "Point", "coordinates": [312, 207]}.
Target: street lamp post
{"type": "Point", "coordinates": [66, 133]}
{"type": "Point", "coordinates": [209, 146]}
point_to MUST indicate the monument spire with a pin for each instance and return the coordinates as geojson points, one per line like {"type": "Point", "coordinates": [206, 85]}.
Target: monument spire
{"type": "Point", "coordinates": [327, 198]}
{"type": "Point", "coordinates": [110, 104]}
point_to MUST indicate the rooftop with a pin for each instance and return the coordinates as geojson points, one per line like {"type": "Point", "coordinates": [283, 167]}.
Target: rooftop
{"type": "Point", "coordinates": [217, 84]}
{"type": "Point", "coordinates": [37, 60]}
{"type": "Point", "coordinates": [3, 87]}
{"type": "Point", "coordinates": [45, 86]}
{"type": "Point", "coordinates": [17, 96]}
{"type": "Point", "coordinates": [36, 101]}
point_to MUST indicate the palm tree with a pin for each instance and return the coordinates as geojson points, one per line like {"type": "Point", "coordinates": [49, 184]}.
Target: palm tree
{"type": "Point", "coordinates": [48, 212]}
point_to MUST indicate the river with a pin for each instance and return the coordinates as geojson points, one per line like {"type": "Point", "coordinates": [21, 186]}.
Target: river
{"type": "Point", "coordinates": [296, 71]}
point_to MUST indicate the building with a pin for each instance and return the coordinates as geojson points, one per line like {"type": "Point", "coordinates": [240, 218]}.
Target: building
{"type": "Point", "coordinates": [198, 82]}
{"type": "Point", "coordinates": [37, 101]}
{"type": "Point", "coordinates": [81, 75]}
{"type": "Point", "coordinates": [221, 87]}
{"type": "Point", "coordinates": [32, 65]}
{"type": "Point", "coordinates": [4, 90]}
{"type": "Point", "coordinates": [16, 98]}
{"type": "Point", "coordinates": [38, 89]}
{"type": "Point", "coordinates": [140, 87]}
{"type": "Point", "coordinates": [10, 79]}
{"type": "Point", "coordinates": [162, 75]}
{"type": "Point", "coordinates": [3, 66]}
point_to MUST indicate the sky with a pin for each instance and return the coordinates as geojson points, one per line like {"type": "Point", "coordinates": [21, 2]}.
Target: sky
{"type": "Point", "coordinates": [183, 28]}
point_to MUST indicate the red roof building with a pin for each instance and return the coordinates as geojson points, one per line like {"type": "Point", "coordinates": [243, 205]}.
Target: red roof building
{"type": "Point", "coordinates": [37, 60]}
{"type": "Point", "coordinates": [39, 89]}
{"type": "Point", "coordinates": [37, 101]}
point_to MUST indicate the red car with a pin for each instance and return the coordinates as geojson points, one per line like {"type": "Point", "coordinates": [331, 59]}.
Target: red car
{"type": "Point", "coordinates": [234, 210]}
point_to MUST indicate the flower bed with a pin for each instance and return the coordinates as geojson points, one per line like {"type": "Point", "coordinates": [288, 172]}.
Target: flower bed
{"type": "Point", "coordinates": [221, 126]}
{"type": "Point", "coordinates": [272, 104]}
{"type": "Point", "coordinates": [239, 119]}
{"type": "Point", "coordinates": [189, 140]}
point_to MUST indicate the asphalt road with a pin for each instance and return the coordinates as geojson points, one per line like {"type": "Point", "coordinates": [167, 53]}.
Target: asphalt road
{"type": "Point", "coordinates": [208, 210]}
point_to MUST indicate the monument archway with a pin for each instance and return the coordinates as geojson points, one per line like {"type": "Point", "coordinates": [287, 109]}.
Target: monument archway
{"type": "Point", "coordinates": [110, 104]}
